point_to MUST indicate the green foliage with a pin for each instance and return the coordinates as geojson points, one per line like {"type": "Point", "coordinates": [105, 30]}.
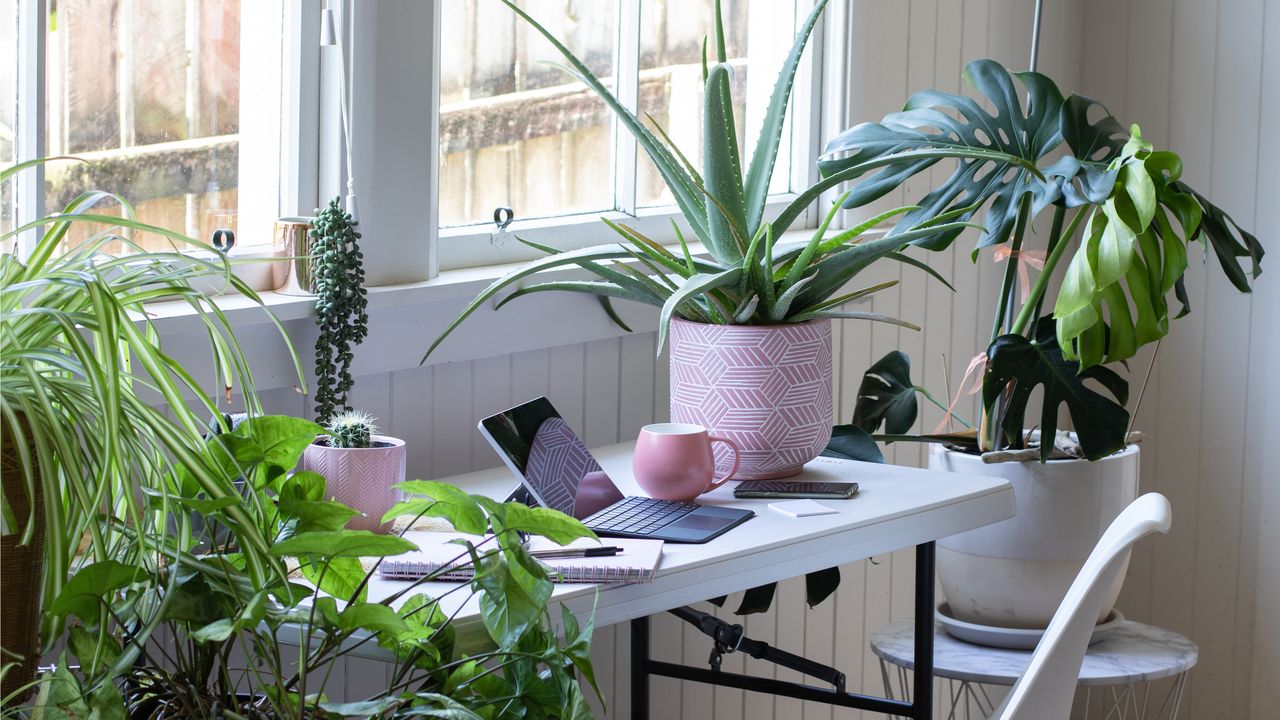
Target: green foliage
{"type": "Point", "coordinates": [82, 369]}
{"type": "Point", "coordinates": [887, 395]}
{"type": "Point", "coordinates": [353, 429]}
{"type": "Point", "coordinates": [341, 305]}
{"type": "Point", "coordinates": [749, 277]}
{"type": "Point", "coordinates": [1100, 422]}
{"type": "Point", "coordinates": [212, 606]}
{"type": "Point", "coordinates": [1138, 215]}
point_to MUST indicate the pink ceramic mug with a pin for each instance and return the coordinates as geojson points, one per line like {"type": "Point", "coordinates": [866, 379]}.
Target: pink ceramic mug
{"type": "Point", "coordinates": [673, 461]}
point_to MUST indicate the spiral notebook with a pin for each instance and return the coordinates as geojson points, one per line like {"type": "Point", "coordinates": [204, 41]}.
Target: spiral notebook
{"type": "Point", "coordinates": [635, 564]}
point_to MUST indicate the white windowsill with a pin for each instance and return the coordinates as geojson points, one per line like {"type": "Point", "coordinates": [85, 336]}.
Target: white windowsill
{"type": "Point", "coordinates": [405, 318]}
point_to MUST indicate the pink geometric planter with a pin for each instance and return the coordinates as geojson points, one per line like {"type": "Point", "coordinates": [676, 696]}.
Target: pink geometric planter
{"type": "Point", "coordinates": [361, 478]}
{"type": "Point", "coordinates": [766, 387]}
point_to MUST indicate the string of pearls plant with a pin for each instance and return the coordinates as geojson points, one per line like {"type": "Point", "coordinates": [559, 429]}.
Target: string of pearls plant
{"type": "Point", "coordinates": [341, 305]}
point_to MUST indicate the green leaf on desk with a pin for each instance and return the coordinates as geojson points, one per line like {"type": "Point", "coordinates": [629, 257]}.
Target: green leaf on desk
{"type": "Point", "coordinates": [441, 500]}
{"type": "Point", "coordinates": [342, 544]}
{"type": "Point", "coordinates": [551, 524]}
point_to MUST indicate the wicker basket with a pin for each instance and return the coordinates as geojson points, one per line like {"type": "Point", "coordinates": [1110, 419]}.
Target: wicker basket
{"type": "Point", "coordinates": [21, 571]}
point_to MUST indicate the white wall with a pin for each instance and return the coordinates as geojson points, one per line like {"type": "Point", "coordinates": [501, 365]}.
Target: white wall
{"type": "Point", "coordinates": [1200, 77]}
{"type": "Point", "coordinates": [1190, 72]}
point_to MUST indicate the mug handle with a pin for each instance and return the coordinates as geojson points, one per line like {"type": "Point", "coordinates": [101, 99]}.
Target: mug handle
{"type": "Point", "coordinates": [737, 456]}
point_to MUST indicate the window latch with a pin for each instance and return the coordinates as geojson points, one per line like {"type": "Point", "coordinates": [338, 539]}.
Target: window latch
{"type": "Point", "coordinates": [502, 217]}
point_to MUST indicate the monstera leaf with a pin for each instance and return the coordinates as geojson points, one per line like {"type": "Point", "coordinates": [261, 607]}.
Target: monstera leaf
{"type": "Point", "coordinates": [887, 395]}
{"type": "Point", "coordinates": [1014, 140]}
{"type": "Point", "coordinates": [1100, 422]}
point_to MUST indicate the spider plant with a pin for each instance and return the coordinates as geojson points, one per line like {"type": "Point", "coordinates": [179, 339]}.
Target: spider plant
{"type": "Point", "coordinates": [748, 275]}
{"type": "Point", "coordinates": [98, 411]}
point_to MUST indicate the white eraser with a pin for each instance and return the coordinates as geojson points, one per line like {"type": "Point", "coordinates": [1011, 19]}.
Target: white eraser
{"type": "Point", "coordinates": [802, 508]}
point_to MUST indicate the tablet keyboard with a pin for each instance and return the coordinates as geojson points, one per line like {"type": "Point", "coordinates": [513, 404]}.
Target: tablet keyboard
{"type": "Point", "coordinates": [639, 515]}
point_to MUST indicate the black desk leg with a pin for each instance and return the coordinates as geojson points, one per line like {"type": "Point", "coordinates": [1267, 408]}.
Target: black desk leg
{"type": "Point", "coordinates": [922, 702]}
{"type": "Point", "coordinates": [639, 669]}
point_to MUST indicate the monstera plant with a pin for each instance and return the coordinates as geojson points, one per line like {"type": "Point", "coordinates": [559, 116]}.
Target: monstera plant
{"type": "Point", "coordinates": [1069, 157]}
{"type": "Point", "coordinates": [1120, 221]}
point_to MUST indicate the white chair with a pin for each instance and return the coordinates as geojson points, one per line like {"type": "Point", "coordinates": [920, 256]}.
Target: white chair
{"type": "Point", "coordinates": [1045, 691]}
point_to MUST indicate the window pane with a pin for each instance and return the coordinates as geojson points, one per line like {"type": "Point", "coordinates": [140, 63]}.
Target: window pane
{"type": "Point", "coordinates": [758, 35]}
{"type": "Point", "coordinates": [149, 91]}
{"type": "Point", "coordinates": [514, 131]}
{"type": "Point", "coordinates": [8, 108]}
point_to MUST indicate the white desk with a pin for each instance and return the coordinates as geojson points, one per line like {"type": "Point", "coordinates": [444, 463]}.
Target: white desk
{"type": "Point", "coordinates": [896, 508]}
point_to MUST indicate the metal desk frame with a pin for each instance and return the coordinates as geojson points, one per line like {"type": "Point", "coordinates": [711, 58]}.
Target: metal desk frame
{"type": "Point", "coordinates": [920, 707]}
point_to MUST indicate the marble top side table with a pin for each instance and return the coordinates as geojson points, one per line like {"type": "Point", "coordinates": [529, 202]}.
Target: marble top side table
{"type": "Point", "coordinates": [1132, 655]}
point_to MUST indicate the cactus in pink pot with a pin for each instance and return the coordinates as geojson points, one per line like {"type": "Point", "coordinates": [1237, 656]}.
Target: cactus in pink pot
{"type": "Point", "coordinates": [361, 467]}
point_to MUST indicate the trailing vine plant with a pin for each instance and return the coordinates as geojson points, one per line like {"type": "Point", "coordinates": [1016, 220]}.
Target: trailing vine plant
{"type": "Point", "coordinates": [341, 305]}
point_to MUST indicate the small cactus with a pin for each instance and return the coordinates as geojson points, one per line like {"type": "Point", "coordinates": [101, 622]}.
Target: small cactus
{"type": "Point", "coordinates": [351, 429]}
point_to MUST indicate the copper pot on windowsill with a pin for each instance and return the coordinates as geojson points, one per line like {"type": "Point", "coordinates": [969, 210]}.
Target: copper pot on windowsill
{"type": "Point", "coordinates": [291, 272]}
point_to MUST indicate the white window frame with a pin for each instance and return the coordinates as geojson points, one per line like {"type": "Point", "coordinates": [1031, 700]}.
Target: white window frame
{"type": "Point", "coordinates": [469, 246]}
{"type": "Point", "coordinates": [266, 194]}
{"type": "Point", "coordinates": [396, 152]}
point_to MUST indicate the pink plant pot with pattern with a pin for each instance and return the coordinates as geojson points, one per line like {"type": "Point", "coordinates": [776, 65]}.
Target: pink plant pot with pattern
{"type": "Point", "coordinates": [765, 387]}
{"type": "Point", "coordinates": [361, 478]}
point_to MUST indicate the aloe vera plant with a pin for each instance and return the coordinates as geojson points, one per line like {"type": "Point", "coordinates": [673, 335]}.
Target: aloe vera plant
{"type": "Point", "coordinates": [748, 276]}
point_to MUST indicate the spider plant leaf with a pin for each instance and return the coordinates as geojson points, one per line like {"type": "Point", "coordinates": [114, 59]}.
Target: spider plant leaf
{"type": "Point", "coordinates": [852, 315]}
{"type": "Point", "coordinates": [765, 155]}
{"type": "Point", "coordinates": [907, 259]}
{"type": "Point", "coordinates": [547, 263]}
{"type": "Point", "coordinates": [726, 218]}
{"type": "Point", "coordinates": [1018, 138]}
{"type": "Point", "coordinates": [699, 284]}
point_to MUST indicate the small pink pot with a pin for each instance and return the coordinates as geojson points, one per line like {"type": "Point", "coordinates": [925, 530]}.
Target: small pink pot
{"type": "Point", "coordinates": [361, 478]}
{"type": "Point", "coordinates": [765, 387]}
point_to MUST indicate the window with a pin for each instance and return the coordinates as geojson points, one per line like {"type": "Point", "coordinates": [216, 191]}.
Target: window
{"type": "Point", "coordinates": [150, 93]}
{"type": "Point", "coordinates": [515, 131]}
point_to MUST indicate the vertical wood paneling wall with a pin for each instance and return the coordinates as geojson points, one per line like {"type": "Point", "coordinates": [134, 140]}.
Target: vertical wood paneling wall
{"type": "Point", "coordinates": [1189, 71]}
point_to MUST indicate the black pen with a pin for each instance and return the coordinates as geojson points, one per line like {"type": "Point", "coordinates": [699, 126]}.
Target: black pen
{"type": "Point", "coordinates": [605, 551]}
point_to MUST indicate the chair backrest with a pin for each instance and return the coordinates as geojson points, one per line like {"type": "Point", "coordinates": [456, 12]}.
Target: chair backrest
{"type": "Point", "coordinates": [1045, 691]}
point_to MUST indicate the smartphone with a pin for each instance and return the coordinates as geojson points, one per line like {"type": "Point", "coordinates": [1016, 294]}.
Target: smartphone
{"type": "Point", "coordinates": [785, 489]}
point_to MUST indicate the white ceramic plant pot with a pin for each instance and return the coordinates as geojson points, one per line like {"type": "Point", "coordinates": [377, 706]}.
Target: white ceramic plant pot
{"type": "Point", "coordinates": [361, 478]}
{"type": "Point", "coordinates": [1016, 572]}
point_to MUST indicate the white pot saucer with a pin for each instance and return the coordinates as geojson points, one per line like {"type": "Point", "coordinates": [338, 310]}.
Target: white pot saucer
{"type": "Point", "coordinates": [1011, 638]}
